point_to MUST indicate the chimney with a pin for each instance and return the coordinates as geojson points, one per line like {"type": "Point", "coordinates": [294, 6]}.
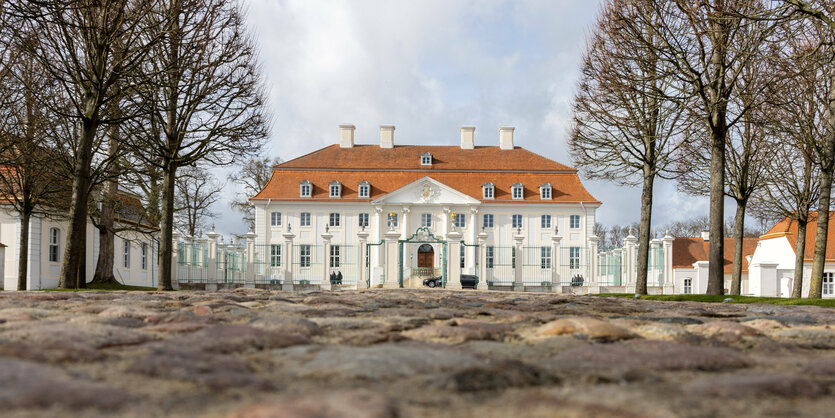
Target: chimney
{"type": "Point", "coordinates": [706, 235]}
{"type": "Point", "coordinates": [386, 136]}
{"type": "Point", "coordinates": [467, 137]}
{"type": "Point", "coordinates": [506, 137]}
{"type": "Point", "coordinates": [346, 136]}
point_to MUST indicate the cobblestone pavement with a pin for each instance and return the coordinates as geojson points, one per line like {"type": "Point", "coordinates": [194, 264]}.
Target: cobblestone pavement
{"type": "Point", "coordinates": [380, 353]}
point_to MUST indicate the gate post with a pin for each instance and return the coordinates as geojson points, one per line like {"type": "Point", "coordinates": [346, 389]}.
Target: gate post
{"type": "Point", "coordinates": [392, 257]}
{"type": "Point", "coordinates": [326, 260]}
{"type": "Point", "coordinates": [594, 284]}
{"type": "Point", "coordinates": [249, 278]}
{"type": "Point", "coordinates": [454, 259]}
{"type": "Point", "coordinates": [669, 287]}
{"type": "Point", "coordinates": [556, 241]}
{"type": "Point", "coordinates": [631, 269]}
{"type": "Point", "coordinates": [175, 257]}
{"type": "Point", "coordinates": [363, 254]}
{"type": "Point", "coordinates": [518, 285]}
{"type": "Point", "coordinates": [482, 265]}
{"type": "Point", "coordinates": [211, 263]}
{"type": "Point", "coordinates": [287, 284]}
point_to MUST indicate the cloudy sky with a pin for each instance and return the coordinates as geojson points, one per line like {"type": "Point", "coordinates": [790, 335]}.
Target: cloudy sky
{"type": "Point", "coordinates": [429, 67]}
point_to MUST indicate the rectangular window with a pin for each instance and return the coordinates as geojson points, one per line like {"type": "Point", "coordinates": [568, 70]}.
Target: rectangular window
{"type": "Point", "coordinates": [275, 218]}
{"type": "Point", "coordinates": [545, 257]}
{"type": "Point", "coordinates": [304, 219]}
{"type": "Point", "coordinates": [426, 220]}
{"type": "Point", "coordinates": [334, 220]}
{"type": "Point", "coordinates": [392, 221]}
{"type": "Point", "coordinates": [335, 189]}
{"type": "Point", "coordinates": [334, 260]}
{"type": "Point", "coordinates": [574, 222]}
{"type": "Point", "coordinates": [545, 222]}
{"type": "Point", "coordinates": [828, 284]}
{"type": "Point", "coordinates": [574, 257]}
{"type": "Point", "coordinates": [517, 221]}
{"type": "Point", "coordinates": [54, 240]}
{"type": "Point", "coordinates": [487, 221]}
{"type": "Point", "coordinates": [488, 192]}
{"type": "Point", "coordinates": [545, 193]}
{"type": "Point", "coordinates": [144, 254]}
{"type": "Point", "coordinates": [490, 253]}
{"type": "Point", "coordinates": [460, 220]}
{"type": "Point", "coordinates": [688, 286]}
{"type": "Point", "coordinates": [363, 220]}
{"type": "Point", "coordinates": [364, 190]}
{"type": "Point", "coordinates": [304, 256]}
{"type": "Point", "coordinates": [126, 254]}
{"type": "Point", "coordinates": [275, 255]}
{"type": "Point", "coordinates": [425, 160]}
{"type": "Point", "coordinates": [517, 193]}
{"type": "Point", "coordinates": [305, 190]}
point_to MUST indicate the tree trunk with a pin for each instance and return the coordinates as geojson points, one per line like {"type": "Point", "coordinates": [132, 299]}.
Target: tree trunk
{"type": "Point", "coordinates": [739, 236]}
{"type": "Point", "coordinates": [816, 283]}
{"type": "Point", "coordinates": [166, 227]}
{"type": "Point", "coordinates": [23, 257]}
{"type": "Point", "coordinates": [800, 254]}
{"type": "Point", "coordinates": [76, 231]}
{"type": "Point", "coordinates": [104, 264]}
{"type": "Point", "coordinates": [644, 233]}
{"type": "Point", "coordinates": [81, 278]}
{"type": "Point", "coordinates": [716, 250]}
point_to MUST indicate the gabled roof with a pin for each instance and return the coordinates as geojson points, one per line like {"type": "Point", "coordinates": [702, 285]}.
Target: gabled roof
{"type": "Point", "coordinates": [687, 251]}
{"type": "Point", "coordinates": [406, 157]}
{"type": "Point", "coordinates": [787, 228]}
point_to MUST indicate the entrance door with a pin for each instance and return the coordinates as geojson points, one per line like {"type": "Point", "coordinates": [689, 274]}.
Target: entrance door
{"type": "Point", "coordinates": [426, 256]}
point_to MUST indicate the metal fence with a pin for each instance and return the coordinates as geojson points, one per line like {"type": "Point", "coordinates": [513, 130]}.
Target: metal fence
{"type": "Point", "coordinates": [231, 264]}
{"type": "Point", "coordinates": [269, 263]}
{"type": "Point", "coordinates": [344, 260]}
{"type": "Point", "coordinates": [574, 266]}
{"type": "Point", "coordinates": [536, 266]}
{"type": "Point", "coordinates": [308, 264]}
{"type": "Point", "coordinates": [500, 263]}
{"type": "Point", "coordinates": [192, 262]}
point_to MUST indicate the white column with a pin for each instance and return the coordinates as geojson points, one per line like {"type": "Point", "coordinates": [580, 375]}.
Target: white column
{"type": "Point", "coordinates": [669, 284]}
{"type": "Point", "coordinates": [287, 284]}
{"type": "Point", "coordinates": [249, 278]}
{"type": "Point", "coordinates": [654, 245]}
{"type": "Point", "coordinates": [454, 260]}
{"type": "Point", "coordinates": [392, 260]}
{"type": "Point", "coordinates": [363, 238]}
{"type": "Point", "coordinates": [556, 241]}
{"type": "Point", "coordinates": [444, 222]}
{"type": "Point", "coordinates": [520, 257]}
{"type": "Point", "coordinates": [631, 271]}
{"type": "Point", "coordinates": [472, 226]}
{"type": "Point", "coordinates": [326, 263]}
{"type": "Point", "coordinates": [594, 284]}
{"type": "Point", "coordinates": [211, 263]}
{"type": "Point", "coordinates": [376, 264]}
{"type": "Point", "coordinates": [405, 230]}
{"type": "Point", "coordinates": [482, 274]}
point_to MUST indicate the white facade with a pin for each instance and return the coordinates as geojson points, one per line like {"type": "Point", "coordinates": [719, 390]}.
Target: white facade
{"type": "Point", "coordinates": [44, 268]}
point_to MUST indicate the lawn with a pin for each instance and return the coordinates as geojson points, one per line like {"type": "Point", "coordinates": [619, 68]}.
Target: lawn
{"type": "Point", "coordinates": [736, 299]}
{"type": "Point", "coordinates": [108, 287]}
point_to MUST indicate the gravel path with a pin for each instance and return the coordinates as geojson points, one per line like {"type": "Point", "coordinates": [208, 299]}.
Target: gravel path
{"type": "Point", "coordinates": [382, 353]}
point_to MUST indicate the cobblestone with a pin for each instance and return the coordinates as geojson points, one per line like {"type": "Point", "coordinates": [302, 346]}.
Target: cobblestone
{"type": "Point", "coordinates": [386, 353]}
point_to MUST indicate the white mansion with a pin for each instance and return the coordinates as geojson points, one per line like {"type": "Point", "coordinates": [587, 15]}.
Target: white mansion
{"type": "Point", "coordinates": [507, 215]}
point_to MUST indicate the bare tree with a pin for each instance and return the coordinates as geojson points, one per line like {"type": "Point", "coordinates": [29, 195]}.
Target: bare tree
{"type": "Point", "coordinates": [205, 98]}
{"type": "Point", "coordinates": [250, 179]}
{"type": "Point", "coordinates": [197, 191]}
{"type": "Point", "coordinates": [710, 43]}
{"type": "Point", "coordinates": [76, 48]}
{"type": "Point", "coordinates": [627, 116]}
{"type": "Point", "coordinates": [822, 17]}
{"type": "Point", "coordinates": [27, 182]}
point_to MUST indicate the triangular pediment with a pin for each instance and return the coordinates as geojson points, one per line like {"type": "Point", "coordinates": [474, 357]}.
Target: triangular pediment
{"type": "Point", "coordinates": [426, 191]}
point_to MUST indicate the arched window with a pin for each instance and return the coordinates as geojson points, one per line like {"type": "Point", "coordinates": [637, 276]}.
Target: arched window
{"type": "Point", "coordinates": [54, 244]}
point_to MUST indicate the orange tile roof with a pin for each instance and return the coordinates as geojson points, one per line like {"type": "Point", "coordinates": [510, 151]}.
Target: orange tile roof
{"type": "Point", "coordinates": [407, 157]}
{"type": "Point", "coordinates": [687, 251]}
{"type": "Point", "coordinates": [788, 228]}
{"type": "Point", "coordinates": [463, 170]}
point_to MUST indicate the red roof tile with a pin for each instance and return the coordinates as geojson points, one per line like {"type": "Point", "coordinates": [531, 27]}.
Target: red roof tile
{"type": "Point", "coordinates": [687, 251]}
{"type": "Point", "coordinates": [788, 228]}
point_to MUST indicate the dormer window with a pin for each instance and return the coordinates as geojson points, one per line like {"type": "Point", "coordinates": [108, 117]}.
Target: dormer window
{"type": "Point", "coordinates": [517, 191]}
{"type": "Point", "coordinates": [488, 190]}
{"type": "Point", "coordinates": [545, 191]}
{"type": "Point", "coordinates": [364, 190]}
{"type": "Point", "coordinates": [335, 189]}
{"type": "Point", "coordinates": [305, 189]}
{"type": "Point", "coordinates": [425, 158]}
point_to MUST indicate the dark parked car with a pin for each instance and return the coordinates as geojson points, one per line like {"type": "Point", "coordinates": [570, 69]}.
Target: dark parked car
{"type": "Point", "coordinates": [467, 281]}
